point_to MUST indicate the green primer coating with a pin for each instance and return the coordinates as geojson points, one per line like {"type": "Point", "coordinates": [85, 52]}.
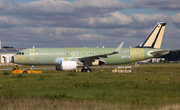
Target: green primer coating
{"type": "Point", "coordinates": [49, 56]}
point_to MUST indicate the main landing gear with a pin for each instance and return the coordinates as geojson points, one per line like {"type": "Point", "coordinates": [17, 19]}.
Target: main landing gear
{"type": "Point", "coordinates": [86, 70]}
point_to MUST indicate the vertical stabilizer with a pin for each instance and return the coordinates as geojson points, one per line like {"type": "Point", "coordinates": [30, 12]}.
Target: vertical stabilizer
{"type": "Point", "coordinates": [154, 39]}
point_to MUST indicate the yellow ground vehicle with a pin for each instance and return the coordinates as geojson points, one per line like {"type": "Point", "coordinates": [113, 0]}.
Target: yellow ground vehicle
{"type": "Point", "coordinates": [16, 70]}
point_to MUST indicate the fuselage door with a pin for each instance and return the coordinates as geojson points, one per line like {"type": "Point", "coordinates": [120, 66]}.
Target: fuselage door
{"type": "Point", "coordinates": [32, 54]}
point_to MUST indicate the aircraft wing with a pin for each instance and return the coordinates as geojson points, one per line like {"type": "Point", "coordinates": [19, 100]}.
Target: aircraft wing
{"type": "Point", "coordinates": [159, 53]}
{"type": "Point", "coordinates": [92, 58]}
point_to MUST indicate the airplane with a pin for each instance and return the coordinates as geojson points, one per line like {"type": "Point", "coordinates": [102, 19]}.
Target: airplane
{"type": "Point", "coordinates": [66, 59]}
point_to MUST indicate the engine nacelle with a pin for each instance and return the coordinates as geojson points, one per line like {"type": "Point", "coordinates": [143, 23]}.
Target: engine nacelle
{"type": "Point", "coordinates": [67, 65]}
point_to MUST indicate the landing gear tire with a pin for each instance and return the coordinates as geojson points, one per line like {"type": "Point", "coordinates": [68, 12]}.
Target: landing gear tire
{"type": "Point", "coordinates": [25, 72]}
{"type": "Point", "coordinates": [83, 70]}
{"type": "Point", "coordinates": [88, 70]}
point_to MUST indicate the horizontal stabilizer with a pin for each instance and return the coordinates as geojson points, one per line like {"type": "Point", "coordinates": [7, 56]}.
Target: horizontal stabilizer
{"type": "Point", "coordinates": [159, 53]}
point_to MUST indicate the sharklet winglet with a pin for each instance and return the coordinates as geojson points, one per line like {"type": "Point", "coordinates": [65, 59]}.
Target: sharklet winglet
{"type": "Point", "coordinates": [118, 48]}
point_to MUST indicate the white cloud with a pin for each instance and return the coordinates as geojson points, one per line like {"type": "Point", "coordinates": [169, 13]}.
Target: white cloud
{"type": "Point", "coordinates": [142, 18]}
{"type": "Point", "coordinates": [121, 18]}
{"type": "Point", "coordinates": [54, 6]}
{"type": "Point", "coordinates": [104, 3]}
{"type": "Point", "coordinates": [55, 13]}
{"type": "Point", "coordinates": [82, 22]}
{"type": "Point", "coordinates": [111, 20]}
{"type": "Point", "coordinates": [175, 18]}
{"type": "Point", "coordinates": [7, 21]}
{"type": "Point", "coordinates": [32, 30]}
{"type": "Point", "coordinates": [49, 7]}
{"type": "Point", "coordinates": [166, 5]}
{"type": "Point", "coordinates": [91, 37]}
{"type": "Point", "coordinates": [121, 32]}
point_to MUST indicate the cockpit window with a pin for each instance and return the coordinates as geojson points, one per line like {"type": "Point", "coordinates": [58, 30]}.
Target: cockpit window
{"type": "Point", "coordinates": [20, 53]}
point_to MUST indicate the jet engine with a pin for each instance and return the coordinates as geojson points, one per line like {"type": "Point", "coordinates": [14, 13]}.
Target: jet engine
{"type": "Point", "coordinates": [67, 65]}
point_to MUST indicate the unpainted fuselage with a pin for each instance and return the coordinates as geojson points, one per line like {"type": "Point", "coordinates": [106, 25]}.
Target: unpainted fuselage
{"type": "Point", "coordinates": [54, 56]}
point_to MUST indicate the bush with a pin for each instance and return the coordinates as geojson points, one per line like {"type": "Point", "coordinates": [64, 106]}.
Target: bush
{"type": "Point", "coordinates": [5, 73]}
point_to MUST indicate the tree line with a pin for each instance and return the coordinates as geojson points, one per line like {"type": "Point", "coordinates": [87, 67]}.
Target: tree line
{"type": "Point", "coordinates": [173, 55]}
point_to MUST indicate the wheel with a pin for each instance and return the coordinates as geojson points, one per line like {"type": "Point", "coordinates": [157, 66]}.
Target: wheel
{"type": "Point", "coordinates": [83, 70]}
{"type": "Point", "coordinates": [24, 72]}
{"type": "Point", "coordinates": [88, 70]}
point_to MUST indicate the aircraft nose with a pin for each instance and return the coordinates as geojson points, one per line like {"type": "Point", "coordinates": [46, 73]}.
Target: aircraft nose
{"type": "Point", "coordinates": [12, 59]}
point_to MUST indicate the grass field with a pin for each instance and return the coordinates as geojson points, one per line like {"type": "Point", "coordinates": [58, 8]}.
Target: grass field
{"type": "Point", "coordinates": [150, 87]}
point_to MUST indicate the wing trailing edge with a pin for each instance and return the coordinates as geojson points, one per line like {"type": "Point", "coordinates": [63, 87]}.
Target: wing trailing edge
{"type": "Point", "coordinates": [94, 57]}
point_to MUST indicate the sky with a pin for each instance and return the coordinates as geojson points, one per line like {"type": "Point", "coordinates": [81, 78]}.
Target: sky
{"type": "Point", "coordinates": [87, 23]}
